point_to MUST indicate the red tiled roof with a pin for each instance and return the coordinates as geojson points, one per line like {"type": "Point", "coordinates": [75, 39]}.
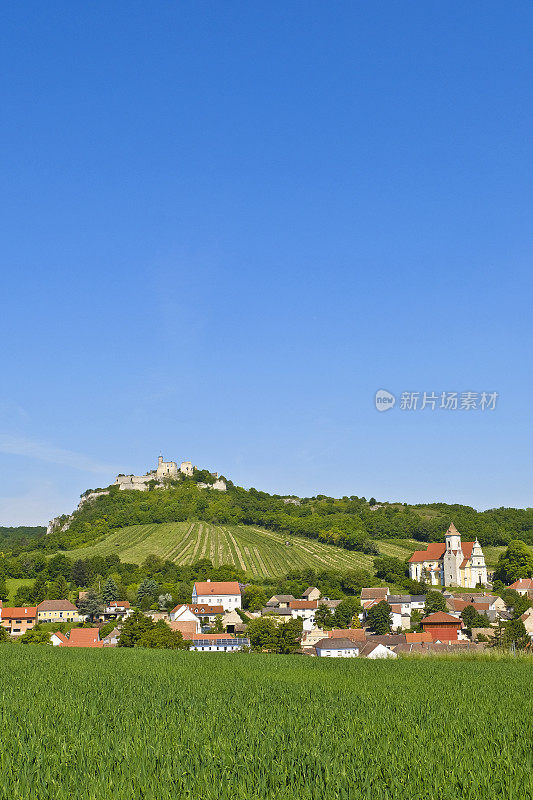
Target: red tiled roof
{"type": "Point", "coordinates": [84, 637]}
{"type": "Point", "coordinates": [216, 587]}
{"type": "Point", "coordinates": [303, 604]}
{"type": "Point", "coordinates": [28, 612]}
{"type": "Point", "coordinates": [414, 638]}
{"type": "Point", "coordinates": [119, 603]}
{"type": "Point", "coordinates": [435, 551]}
{"type": "Point", "coordinates": [61, 636]}
{"type": "Point", "coordinates": [466, 547]}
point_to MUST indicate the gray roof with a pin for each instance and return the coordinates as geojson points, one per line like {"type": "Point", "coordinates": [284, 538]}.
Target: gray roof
{"type": "Point", "coordinates": [387, 639]}
{"type": "Point", "coordinates": [406, 598]}
{"type": "Point", "coordinates": [280, 598]}
{"type": "Point", "coordinates": [275, 611]}
{"type": "Point", "coordinates": [336, 644]}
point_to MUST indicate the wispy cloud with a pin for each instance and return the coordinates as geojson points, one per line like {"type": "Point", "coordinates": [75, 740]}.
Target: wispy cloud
{"type": "Point", "coordinates": [30, 448]}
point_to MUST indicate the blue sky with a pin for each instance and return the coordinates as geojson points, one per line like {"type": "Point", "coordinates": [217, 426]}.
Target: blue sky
{"type": "Point", "coordinates": [225, 226]}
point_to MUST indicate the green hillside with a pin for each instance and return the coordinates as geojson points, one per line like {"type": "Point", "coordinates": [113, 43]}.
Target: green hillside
{"type": "Point", "coordinates": [259, 552]}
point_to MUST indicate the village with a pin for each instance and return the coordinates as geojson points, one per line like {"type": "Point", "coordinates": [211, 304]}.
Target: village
{"type": "Point", "coordinates": [214, 621]}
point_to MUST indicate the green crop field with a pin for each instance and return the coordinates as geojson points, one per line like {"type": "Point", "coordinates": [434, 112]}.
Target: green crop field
{"type": "Point", "coordinates": [126, 724]}
{"type": "Point", "coordinates": [258, 552]}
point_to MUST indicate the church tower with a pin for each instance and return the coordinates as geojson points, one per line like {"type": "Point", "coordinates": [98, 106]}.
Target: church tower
{"type": "Point", "coordinates": [478, 568]}
{"type": "Point", "coordinates": [453, 557]}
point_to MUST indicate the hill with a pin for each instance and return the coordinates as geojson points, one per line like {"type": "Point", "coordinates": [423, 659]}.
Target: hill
{"type": "Point", "coordinates": [259, 552]}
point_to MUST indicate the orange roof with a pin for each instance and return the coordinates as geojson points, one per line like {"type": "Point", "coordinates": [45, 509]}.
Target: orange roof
{"type": "Point", "coordinates": [371, 593]}
{"type": "Point", "coordinates": [28, 612]}
{"type": "Point", "coordinates": [467, 552]}
{"type": "Point", "coordinates": [523, 583]}
{"type": "Point", "coordinates": [84, 637]}
{"type": "Point", "coordinates": [355, 634]}
{"type": "Point", "coordinates": [61, 636]}
{"type": "Point", "coordinates": [435, 550]}
{"type": "Point", "coordinates": [414, 638]}
{"type": "Point", "coordinates": [119, 603]}
{"type": "Point", "coordinates": [216, 587]}
{"type": "Point", "coordinates": [187, 629]}
{"type": "Point", "coordinates": [303, 604]}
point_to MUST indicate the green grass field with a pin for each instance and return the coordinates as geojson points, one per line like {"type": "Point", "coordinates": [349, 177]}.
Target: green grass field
{"type": "Point", "coordinates": [13, 584]}
{"type": "Point", "coordinates": [259, 552]}
{"type": "Point", "coordinates": [131, 724]}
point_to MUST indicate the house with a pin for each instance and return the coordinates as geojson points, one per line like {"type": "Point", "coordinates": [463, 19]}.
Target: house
{"type": "Point", "coordinates": [305, 609]}
{"type": "Point", "coordinates": [378, 593]}
{"type": "Point", "coordinates": [183, 613]}
{"type": "Point", "coordinates": [217, 593]}
{"type": "Point", "coordinates": [429, 648]}
{"type": "Point", "coordinates": [527, 619]}
{"type": "Point", "coordinates": [218, 643]}
{"type": "Point", "coordinates": [336, 647]}
{"type": "Point", "coordinates": [451, 563]}
{"type": "Point", "coordinates": [399, 618]}
{"type": "Point", "coordinates": [374, 650]}
{"type": "Point", "coordinates": [58, 639]}
{"type": "Point", "coordinates": [230, 619]}
{"type": "Point", "coordinates": [523, 586]}
{"type": "Point", "coordinates": [280, 601]}
{"type": "Point", "coordinates": [19, 619]}
{"type": "Point", "coordinates": [311, 593]}
{"type": "Point", "coordinates": [57, 611]}
{"type": "Point", "coordinates": [111, 640]}
{"type": "Point", "coordinates": [84, 637]}
{"type": "Point", "coordinates": [407, 602]}
{"type": "Point", "coordinates": [118, 608]}
{"type": "Point", "coordinates": [278, 614]}
{"type": "Point", "coordinates": [442, 627]}
{"type": "Point", "coordinates": [390, 640]}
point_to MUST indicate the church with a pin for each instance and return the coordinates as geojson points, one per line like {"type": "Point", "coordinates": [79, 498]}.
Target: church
{"type": "Point", "coordinates": [452, 563]}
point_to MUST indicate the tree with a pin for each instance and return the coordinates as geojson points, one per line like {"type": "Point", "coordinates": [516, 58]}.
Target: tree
{"type": "Point", "coordinates": [218, 627]}
{"type": "Point", "coordinates": [79, 574]}
{"type": "Point", "coordinates": [39, 589]}
{"type": "Point", "coordinates": [472, 619]}
{"type": "Point", "coordinates": [379, 617]}
{"type": "Point", "coordinates": [160, 636]}
{"type": "Point", "coordinates": [110, 591]}
{"type": "Point", "coordinates": [391, 569]}
{"type": "Point", "coordinates": [59, 565]}
{"type": "Point", "coordinates": [133, 629]}
{"type": "Point", "coordinates": [164, 601]}
{"type": "Point", "coordinates": [434, 602]}
{"type": "Point", "coordinates": [514, 633]}
{"type": "Point", "coordinates": [35, 636]}
{"type": "Point", "coordinates": [262, 633]}
{"type": "Point", "coordinates": [4, 635]}
{"type": "Point", "coordinates": [90, 606]}
{"type": "Point", "coordinates": [254, 598]}
{"type": "Point", "coordinates": [516, 562]}
{"type": "Point", "coordinates": [323, 617]}
{"type": "Point", "coordinates": [4, 594]}
{"type": "Point", "coordinates": [416, 619]}
{"type": "Point", "coordinates": [147, 593]}
{"type": "Point", "coordinates": [58, 589]}
{"type": "Point", "coordinates": [289, 635]}
{"type": "Point", "coordinates": [518, 603]}
{"type": "Point", "coordinates": [346, 611]}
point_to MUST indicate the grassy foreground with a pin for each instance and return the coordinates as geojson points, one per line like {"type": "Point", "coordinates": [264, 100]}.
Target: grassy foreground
{"type": "Point", "coordinates": [127, 725]}
{"type": "Point", "coordinates": [257, 551]}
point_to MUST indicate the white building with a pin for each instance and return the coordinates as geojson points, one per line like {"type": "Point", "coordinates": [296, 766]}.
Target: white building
{"type": "Point", "coordinates": [217, 593]}
{"type": "Point", "coordinates": [218, 643]}
{"type": "Point", "coordinates": [336, 648]}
